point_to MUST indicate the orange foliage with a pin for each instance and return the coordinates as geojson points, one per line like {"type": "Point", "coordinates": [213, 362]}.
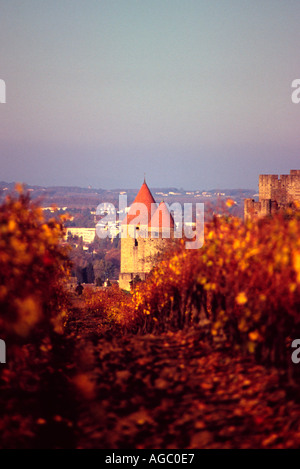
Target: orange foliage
{"type": "Point", "coordinates": [111, 303]}
{"type": "Point", "coordinates": [244, 282]}
{"type": "Point", "coordinates": [33, 265]}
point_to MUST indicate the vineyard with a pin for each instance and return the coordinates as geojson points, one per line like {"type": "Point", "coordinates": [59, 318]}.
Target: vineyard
{"type": "Point", "coordinates": [197, 356]}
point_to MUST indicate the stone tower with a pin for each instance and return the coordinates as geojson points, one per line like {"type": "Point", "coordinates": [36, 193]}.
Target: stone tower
{"type": "Point", "coordinates": [144, 234]}
{"type": "Point", "coordinates": [275, 193]}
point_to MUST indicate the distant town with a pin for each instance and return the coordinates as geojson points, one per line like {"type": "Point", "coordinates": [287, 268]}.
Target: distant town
{"type": "Point", "coordinates": [81, 203]}
{"type": "Point", "coordinates": [95, 260]}
{"type": "Point", "coordinates": [66, 198]}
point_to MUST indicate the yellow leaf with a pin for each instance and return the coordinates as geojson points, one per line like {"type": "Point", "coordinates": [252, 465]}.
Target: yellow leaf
{"type": "Point", "coordinates": [241, 298]}
{"type": "Point", "coordinates": [230, 202]}
{"type": "Point", "coordinates": [254, 336]}
{"type": "Point", "coordinates": [296, 260]}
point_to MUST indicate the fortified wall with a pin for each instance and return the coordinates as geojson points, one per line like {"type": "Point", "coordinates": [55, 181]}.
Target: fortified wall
{"type": "Point", "coordinates": [275, 193]}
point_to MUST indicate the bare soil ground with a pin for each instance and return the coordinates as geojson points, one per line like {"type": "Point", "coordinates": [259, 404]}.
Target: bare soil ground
{"type": "Point", "coordinates": [174, 390]}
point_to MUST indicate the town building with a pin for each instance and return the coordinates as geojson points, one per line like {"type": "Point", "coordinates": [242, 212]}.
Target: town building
{"type": "Point", "coordinates": [87, 234]}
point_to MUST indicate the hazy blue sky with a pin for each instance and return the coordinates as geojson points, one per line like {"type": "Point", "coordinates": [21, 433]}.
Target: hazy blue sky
{"type": "Point", "coordinates": [195, 93]}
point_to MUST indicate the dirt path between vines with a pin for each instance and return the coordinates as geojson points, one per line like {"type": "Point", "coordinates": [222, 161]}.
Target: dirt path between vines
{"type": "Point", "coordinates": [173, 391]}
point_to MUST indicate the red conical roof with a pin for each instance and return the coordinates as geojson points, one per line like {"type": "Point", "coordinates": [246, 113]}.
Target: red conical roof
{"type": "Point", "coordinates": [162, 217]}
{"type": "Point", "coordinates": [145, 197]}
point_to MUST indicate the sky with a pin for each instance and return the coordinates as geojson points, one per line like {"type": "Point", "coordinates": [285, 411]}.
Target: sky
{"type": "Point", "coordinates": [196, 94]}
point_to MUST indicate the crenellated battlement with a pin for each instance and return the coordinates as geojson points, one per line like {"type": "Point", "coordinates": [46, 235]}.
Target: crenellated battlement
{"type": "Point", "coordinates": [275, 193]}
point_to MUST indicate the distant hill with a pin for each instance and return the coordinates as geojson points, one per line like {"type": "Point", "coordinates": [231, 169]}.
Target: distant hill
{"type": "Point", "coordinates": [88, 197]}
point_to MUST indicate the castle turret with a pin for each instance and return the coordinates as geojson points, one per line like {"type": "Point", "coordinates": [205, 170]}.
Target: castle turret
{"type": "Point", "coordinates": [145, 198]}
{"type": "Point", "coordinates": [162, 223]}
{"type": "Point", "coordinates": [144, 232]}
{"type": "Point", "coordinates": [139, 248]}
